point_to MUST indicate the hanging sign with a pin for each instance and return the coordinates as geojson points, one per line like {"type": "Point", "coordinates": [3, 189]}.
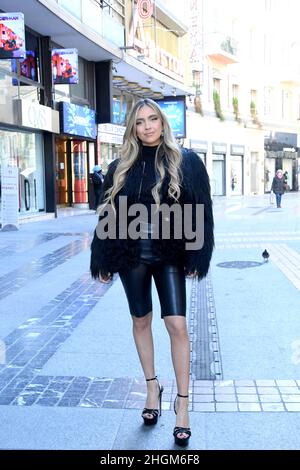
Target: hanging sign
{"type": "Point", "coordinates": [145, 9]}
{"type": "Point", "coordinates": [10, 198]}
{"type": "Point", "coordinates": [175, 110]}
{"type": "Point", "coordinates": [77, 120]}
{"type": "Point", "coordinates": [28, 67]}
{"type": "Point", "coordinates": [65, 66]}
{"type": "Point", "coordinates": [12, 36]}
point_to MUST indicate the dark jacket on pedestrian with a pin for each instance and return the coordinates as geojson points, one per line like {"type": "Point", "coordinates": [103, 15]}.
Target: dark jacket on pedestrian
{"type": "Point", "coordinates": [114, 255]}
{"type": "Point", "coordinates": [97, 178]}
{"type": "Point", "coordinates": [278, 185]}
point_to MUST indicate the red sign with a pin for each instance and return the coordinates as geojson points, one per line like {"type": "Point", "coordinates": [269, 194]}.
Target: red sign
{"type": "Point", "coordinates": [12, 36]}
{"type": "Point", "coordinates": [65, 66]}
{"type": "Point", "coordinates": [145, 9]}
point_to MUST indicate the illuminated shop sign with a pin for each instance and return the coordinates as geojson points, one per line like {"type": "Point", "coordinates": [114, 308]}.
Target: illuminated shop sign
{"type": "Point", "coordinates": [119, 113]}
{"type": "Point", "coordinates": [78, 120]}
{"type": "Point", "coordinates": [175, 109]}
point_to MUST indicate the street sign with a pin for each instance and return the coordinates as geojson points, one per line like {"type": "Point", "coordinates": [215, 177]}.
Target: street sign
{"type": "Point", "coordinates": [10, 198]}
{"type": "Point", "coordinates": [145, 9]}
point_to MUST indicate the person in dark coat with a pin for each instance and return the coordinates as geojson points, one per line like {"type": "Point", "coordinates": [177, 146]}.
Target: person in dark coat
{"type": "Point", "coordinates": [278, 186]}
{"type": "Point", "coordinates": [168, 188]}
{"type": "Point", "coordinates": [97, 179]}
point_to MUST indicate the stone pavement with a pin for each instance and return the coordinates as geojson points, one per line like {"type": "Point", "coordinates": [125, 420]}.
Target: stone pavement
{"type": "Point", "coordinates": [69, 373]}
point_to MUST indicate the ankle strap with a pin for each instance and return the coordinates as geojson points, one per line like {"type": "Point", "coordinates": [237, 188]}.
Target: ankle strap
{"type": "Point", "coordinates": [154, 378]}
{"type": "Point", "coordinates": [182, 396]}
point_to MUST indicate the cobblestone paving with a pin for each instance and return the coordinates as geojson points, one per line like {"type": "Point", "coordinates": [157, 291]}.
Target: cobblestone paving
{"type": "Point", "coordinates": [36, 268]}
{"type": "Point", "coordinates": [33, 343]}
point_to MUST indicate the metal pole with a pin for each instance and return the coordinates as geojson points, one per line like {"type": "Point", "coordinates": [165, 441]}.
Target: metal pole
{"type": "Point", "coordinates": [155, 33]}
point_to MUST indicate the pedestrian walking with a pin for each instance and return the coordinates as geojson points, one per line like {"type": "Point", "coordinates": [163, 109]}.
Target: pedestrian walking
{"type": "Point", "coordinates": [97, 179]}
{"type": "Point", "coordinates": [154, 173]}
{"type": "Point", "coordinates": [278, 186]}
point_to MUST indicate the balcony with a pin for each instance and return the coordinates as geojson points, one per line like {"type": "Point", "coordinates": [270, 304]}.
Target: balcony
{"type": "Point", "coordinates": [222, 49]}
{"type": "Point", "coordinates": [105, 17]}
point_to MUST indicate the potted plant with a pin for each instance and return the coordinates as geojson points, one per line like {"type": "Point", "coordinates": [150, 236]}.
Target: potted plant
{"type": "Point", "coordinates": [253, 113]}
{"type": "Point", "coordinates": [235, 104]}
{"type": "Point", "coordinates": [217, 104]}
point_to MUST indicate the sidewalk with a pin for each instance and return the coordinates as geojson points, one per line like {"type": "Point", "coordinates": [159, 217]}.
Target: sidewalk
{"type": "Point", "coordinates": [69, 373]}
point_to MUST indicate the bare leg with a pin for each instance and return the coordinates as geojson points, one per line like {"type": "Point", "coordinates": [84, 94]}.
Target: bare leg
{"type": "Point", "coordinates": [142, 334]}
{"type": "Point", "coordinates": [180, 350]}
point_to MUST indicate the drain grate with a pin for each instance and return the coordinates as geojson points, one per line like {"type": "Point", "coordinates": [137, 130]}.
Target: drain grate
{"type": "Point", "coordinates": [205, 350]}
{"type": "Point", "coordinates": [240, 264]}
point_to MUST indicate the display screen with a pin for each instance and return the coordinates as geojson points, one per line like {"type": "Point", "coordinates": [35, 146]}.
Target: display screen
{"type": "Point", "coordinates": [175, 109]}
{"type": "Point", "coordinates": [78, 120]}
{"type": "Point", "coordinates": [28, 67]}
{"type": "Point", "coordinates": [12, 36]}
{"type": "Point", "coordinates": [118, 113]}
{"type": "Point", "coordinates": [65, 66]}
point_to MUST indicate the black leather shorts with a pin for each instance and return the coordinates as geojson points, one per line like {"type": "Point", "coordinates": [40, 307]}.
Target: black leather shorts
{"type": "Point", "coordinates": [169, 280]}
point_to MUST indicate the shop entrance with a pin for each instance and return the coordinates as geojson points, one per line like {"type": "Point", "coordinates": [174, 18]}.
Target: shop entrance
{"type": "Point", "coordinates": [218, 179]}
{"type": "Point", "coordinates": [236, 175]}
{"type": "Point", "coordinates": [71, 172]}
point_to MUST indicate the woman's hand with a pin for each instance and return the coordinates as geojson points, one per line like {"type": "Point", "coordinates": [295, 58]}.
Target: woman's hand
{"type": "Point", "coordinates": [106, 278]}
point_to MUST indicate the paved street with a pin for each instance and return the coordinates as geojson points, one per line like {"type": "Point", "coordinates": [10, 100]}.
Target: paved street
{"type": "Point", "coordinates": [69, 373]}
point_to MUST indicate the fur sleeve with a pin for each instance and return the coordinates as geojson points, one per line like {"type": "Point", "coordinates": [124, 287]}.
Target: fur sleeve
{"type": "Point", "coordinates": [98, 262]}
{"type": "Point", "coordinates": [197, 191]}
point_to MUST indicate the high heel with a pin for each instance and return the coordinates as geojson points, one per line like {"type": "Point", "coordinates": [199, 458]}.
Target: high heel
{"type": "Point", "coordinates": [155, 413]}
{"type": "Point", "coordinates": [181, 441]}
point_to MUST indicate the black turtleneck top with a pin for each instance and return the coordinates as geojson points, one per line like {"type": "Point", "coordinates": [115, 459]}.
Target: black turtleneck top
{"type": "Point", "coordinates": [148, 180]}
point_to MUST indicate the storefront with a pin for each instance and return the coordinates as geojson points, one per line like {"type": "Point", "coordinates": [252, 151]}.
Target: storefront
{"type": "Point", "coordinates": [75, 154]}
{"type": "Point", "coordinates": [237, 170]}
{"type": "Point", "coordinates": [218, 180]}
{"type": "Point", "coordinates": [26, 125]}
{"type": "Point", "coordinates": [22, 146]}
{"type": "Point", "coordinates": [25, 151]}
{"type": "Point", "coordinates": [283, 160]}
{"type": "Point", "coordinates": [281, 152]}
{"type": "Point", "coordinates": [110, 139]}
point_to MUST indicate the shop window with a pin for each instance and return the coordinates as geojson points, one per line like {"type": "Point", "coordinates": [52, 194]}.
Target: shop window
{"type": "Point", "coordinates": [79, 90]}
{"type": "Point", "coordinates": [25, 151]}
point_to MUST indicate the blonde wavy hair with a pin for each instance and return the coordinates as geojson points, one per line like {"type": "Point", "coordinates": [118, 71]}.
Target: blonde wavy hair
{"type": "Point", "coordinates": [130, 151]}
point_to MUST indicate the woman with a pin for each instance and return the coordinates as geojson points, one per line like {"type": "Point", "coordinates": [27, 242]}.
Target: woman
{"type": "Point", "coordinates": [154, 172]}
{"type": "Point", "coordinates": [278, 186]}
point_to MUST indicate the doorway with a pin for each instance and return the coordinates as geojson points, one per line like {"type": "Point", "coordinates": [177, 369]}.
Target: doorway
{"type": "Point", "coordinates": [236, 175]}
{"type": "Point", "coordinates": [71, 172]}
{"type": "Point", "coordinates": [218, 176]}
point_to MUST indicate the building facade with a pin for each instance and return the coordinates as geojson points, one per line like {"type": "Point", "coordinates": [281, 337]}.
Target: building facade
{"type": "Point", "coordinates": [246, 82]}
{"type": "Point", "coordinates": [55, 132]}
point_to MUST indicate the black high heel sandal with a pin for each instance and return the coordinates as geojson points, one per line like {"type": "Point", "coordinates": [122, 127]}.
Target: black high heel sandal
{"type": "Point", "coordinates": [181, 441]}
{"type": "Point", "coordinates": [155, 413]}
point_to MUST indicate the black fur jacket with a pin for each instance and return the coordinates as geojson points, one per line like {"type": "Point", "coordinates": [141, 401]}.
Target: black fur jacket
{"type": "Point", "coordinates": [113, 255]}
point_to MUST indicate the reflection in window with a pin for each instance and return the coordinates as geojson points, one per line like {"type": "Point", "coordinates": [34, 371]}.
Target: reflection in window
{"type": "Point", "coordinates": [25, 151]}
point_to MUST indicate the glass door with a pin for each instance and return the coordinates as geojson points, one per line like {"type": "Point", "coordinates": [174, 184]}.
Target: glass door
{"type": "Point", "coordinates": [79, 171]}
{"type": "Point", "coordinates": [236, 175]}
{"type": "Point", "coordinates": [62, 179]}
{"type": "Point", "coordinates": [218, 176]}
{"type": "Point", "coordinates": [269, 173]}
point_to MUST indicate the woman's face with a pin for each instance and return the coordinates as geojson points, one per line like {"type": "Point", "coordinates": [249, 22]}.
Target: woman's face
{"type": "Point", "coordinates": [148, 126]}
